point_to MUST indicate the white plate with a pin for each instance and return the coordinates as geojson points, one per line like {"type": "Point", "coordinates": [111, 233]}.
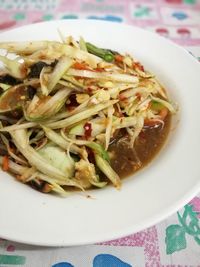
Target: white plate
{"type": "Point", "coordinates": [154, 193]}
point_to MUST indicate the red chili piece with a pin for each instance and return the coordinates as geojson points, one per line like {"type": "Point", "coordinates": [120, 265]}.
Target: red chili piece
{"type": "Point", "coordinates": [139, 66]}
{"type": "Point", "coordinates": [88, 130]}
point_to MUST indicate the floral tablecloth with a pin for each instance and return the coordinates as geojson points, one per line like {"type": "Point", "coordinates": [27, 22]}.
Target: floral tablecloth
{"type": "Point", "coordinates": [176, 241]}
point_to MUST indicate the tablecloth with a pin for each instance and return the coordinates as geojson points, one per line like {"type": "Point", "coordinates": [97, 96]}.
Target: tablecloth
{"type": "Point", "coordinates": [175, 242]}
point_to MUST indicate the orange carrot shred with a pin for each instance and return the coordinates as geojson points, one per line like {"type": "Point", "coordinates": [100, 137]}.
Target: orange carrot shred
{"type": "Point", "coordinates": [5, 165]}
{"type": "Point", "coordinates": [119, 58]}
{"type": "Point", "coordinates": [81, 66]}
{"type": "Point", "coordinates": [163, 113]}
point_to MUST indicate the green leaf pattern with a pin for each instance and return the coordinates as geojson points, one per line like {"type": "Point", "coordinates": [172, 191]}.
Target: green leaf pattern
{"type": "Point", "coordinates": [176, 233]}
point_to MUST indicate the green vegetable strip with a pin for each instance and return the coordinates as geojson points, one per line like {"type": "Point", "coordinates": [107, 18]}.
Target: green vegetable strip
{"type": "Point", "coordinates": [14, 67]}
{"type": "Point", "coordinates": [164, 103]}
{"type": "Point", "coordinates": [50, 179]}
{"type": "Point", "coordinates": [18, 126]}
{"type": "Point", "coordinates": [104, 166]}
{"type": "Point", "coordinates": [97, 148]}
{"type": "Point", "coordinates": [4, 86]}
{"type": "Point", "coordinates": [76, 53]}
{"type": "Point", "coordinates": [80, 116]}
{"type": "Point", "coordinates": [97, 128]}
{"type": "Point", "coordinates": [102, 53]}
{"type": "Point", "coordinates": [38, 110]}
{"type": "Point", "coordinates": [60, 141]}
{"type": "Point", "coordinates": [82, 44]}
{"type": "Point", "coordinates": [124, 122]}
{"type": "Point", "coordinates": [19, 138]}
{"type": "Point", "coordinates": [100, 125]}
{"type": "Point", "coordinates": [62, 66]}
{"type": "Point", "coordinates": [26, 47]}
{"type": "Point", "coordinates": [99, 184]}
{"type": "Point", "coordinates": [104, 75]}
{"type": "Point", "coordinates": [72, 80]}
{"type": "Point", "coordinates": [156, 105]}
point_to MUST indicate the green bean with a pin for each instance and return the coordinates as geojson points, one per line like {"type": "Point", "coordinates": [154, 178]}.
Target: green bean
{"type": "Point", "coordinates": [100, 52]}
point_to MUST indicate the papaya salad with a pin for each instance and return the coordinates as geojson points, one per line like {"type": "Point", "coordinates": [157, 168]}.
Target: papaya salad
{"type": "Point", "coordinates": [76, 116]}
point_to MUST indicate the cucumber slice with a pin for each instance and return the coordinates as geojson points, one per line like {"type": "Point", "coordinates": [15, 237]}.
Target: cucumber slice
{"type": "Point", "coordinates": [58, 158]}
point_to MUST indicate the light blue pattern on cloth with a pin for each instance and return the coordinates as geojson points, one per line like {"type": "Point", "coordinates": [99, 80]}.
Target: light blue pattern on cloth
{"type": "Point", "coordinates": [107, 260]}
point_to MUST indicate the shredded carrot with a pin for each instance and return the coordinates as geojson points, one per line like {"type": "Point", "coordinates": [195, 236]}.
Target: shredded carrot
{"type": "Point", "coordinates": [81, 66]}
{"type": "Point", "coordinates": [163, 113]}
{"type": "Point", "coordinates": [99, 69]}
{"type": "Point", "coordinates": [46, 188]}
{"type": "Point", "coordinates": [138, 65]}
{"type": "Point", "coordinates": [138, 96]}
{"type": "Point", "coordinates": [12, 149]}
{"type": "Point", "coordinates": [5, 164]}
{"type": "Point", "coordinates": [122, 97]}
{"type": "Point", "coordinates": [119, 58]}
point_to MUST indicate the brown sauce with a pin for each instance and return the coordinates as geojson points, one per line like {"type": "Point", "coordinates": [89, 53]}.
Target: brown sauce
{"type": "Point", "coordinates": [126, 160]}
